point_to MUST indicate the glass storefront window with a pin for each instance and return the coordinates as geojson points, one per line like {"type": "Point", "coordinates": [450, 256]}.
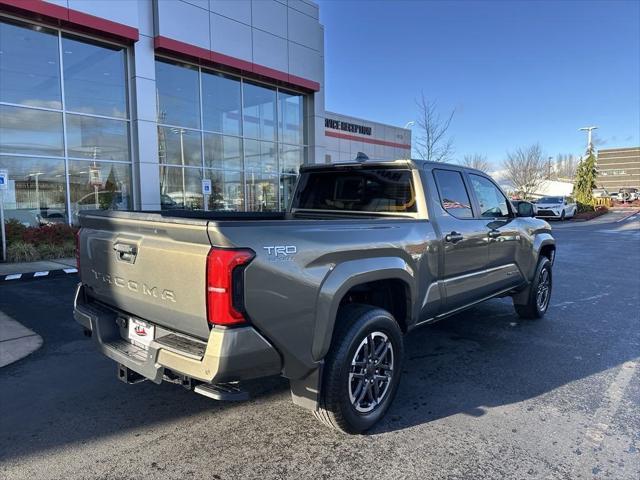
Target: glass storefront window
{"type": "Point", "coordinates": [259, 112]}
{"type": "Point", "coordinates": [179, 146]}
{"type": "Point", "coordinates": [97, 138]}
{"type": "Point", "coordinates": [221, 101]}
{"type": "Point", "coordinates": [251, 142]}
{"type": "Point", "coordinates": [291, 157]}
{"type": "Point", "coordinates": [36, 192]}
{"type": "Point", "coordinates": [290, 118]}
{"type": "Point", "coordinates": [228, 190]}
{"type": "Point", "coordinates": [221, 151]}
{"type": "Point", "coordinates": [30, 131]}
{"type": "Point", "coordinates": [178, 95]}
{"type": "Point", "coordinates": [94, 78]}
{"type": "Point", "coordinates": [93, 113]}
{"type": "Point", "coordinates": [29, 66]}
{"type": "Point", "coordinates": [287, 186]}
{"type": "Point", "coordinates": [260, 156]}
{"type": "Point", "coordinates": [180, 188]}
{"type": "Point", "coordinates": [96, 185]}
{"type": "Point", "coordinates": [262, 192]}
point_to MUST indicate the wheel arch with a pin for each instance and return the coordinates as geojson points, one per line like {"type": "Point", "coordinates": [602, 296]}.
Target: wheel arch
{"type": "Point", "coordinates": [363, 277]}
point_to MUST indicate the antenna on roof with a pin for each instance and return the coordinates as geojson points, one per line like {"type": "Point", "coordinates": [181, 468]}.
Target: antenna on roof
{"type": "Point", "coordinates": [362, 157]}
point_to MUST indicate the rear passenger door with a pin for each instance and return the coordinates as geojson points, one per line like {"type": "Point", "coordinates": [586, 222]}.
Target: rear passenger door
{"type": "Point", "coordinates": [502, 230]}
{"type": "Point", "coordinates": [464, 241]}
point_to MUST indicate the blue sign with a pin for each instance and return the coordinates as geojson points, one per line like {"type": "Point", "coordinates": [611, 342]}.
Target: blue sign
{"type": "Point", "coordinates": [4, 179]}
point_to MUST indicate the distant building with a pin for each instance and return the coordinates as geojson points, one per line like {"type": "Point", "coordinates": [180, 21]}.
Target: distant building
{"type": "Point", "coordinates": [618, 168]}
{"type": "Point", "coordinates": [347, 136]}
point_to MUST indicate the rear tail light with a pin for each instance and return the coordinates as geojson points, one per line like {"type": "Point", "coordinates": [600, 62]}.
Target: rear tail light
{"type": "Point", "coordinates": [78, 250]}
{"type": "Point", "coordinates": [225, 286]}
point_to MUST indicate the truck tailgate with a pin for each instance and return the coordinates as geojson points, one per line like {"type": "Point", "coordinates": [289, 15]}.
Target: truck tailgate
{"type": "Point", "coordinates": [149, 266]}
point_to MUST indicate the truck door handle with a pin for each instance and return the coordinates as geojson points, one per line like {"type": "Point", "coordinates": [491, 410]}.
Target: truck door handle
{"type": "Point", "coordinates": [126, 253]}
{"type": "Point", "coordinates": [494, 233]}
{"type": "Point", "coordinates": [453, 237]}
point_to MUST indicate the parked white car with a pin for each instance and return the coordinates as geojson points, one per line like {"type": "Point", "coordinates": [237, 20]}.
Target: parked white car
{"type": "Point", "coordinates": [556, 207]}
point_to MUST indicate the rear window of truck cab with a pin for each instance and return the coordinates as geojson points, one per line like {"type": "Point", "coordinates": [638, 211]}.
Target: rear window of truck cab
{"type": "Point", "coordinates": [388, 190]}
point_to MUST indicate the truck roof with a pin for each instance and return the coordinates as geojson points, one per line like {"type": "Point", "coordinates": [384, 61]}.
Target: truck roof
{"type": "Point", "coordinates": [398, 163]}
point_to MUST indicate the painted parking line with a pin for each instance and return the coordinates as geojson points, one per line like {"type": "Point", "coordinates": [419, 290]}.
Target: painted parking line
{"type": "Point", "coordinates": [41, 274]}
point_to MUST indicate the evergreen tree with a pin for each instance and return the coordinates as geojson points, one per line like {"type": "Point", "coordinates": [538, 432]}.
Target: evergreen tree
{"type": "Point", "coordinates": [585, 180]}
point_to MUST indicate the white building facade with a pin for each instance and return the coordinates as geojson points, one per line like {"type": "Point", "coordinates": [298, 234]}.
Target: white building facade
{"type": "Point", "coordinates": [132, 104]}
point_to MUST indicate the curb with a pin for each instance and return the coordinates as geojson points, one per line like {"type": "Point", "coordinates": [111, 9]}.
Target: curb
{"type": "Point", "coordinates": [42, 274]}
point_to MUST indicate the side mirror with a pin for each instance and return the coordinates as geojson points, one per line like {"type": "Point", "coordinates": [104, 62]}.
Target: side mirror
{"type": "Point", "coordinates": [525, 209]}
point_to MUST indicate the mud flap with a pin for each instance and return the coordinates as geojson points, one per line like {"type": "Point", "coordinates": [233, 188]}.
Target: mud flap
{"type": "Point", "coordinates": [305, 391]}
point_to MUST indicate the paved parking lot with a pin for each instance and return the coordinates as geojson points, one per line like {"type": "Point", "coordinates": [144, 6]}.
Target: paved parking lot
{"type": "Point", "coordinates": [484, 394]}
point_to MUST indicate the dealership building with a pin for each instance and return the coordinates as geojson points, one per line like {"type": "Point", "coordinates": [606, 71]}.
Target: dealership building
{"type": "Point", "coordinates": [618, 168]}
{"type": "Point", "coordinates": [146, 104]}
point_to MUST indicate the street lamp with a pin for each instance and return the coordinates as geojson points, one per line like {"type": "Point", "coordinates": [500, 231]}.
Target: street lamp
{"type": "Point", "coordinates": [37, 175]}
{"type": "Point", "coordinates": [409, 124]}
{"type": "Point", "coordinates": [588, 130]}
{"type": "Point", "coordinates": [181, 132]}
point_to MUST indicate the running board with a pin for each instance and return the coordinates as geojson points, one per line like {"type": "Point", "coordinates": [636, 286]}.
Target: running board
{"type": "Point", "coordinates": [228, 392]}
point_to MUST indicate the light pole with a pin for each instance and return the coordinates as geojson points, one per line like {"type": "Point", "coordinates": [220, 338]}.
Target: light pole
{"type": "Point", "coordinates": [589, 143]}
{"type": "Point", "coordinates": [37, 175]}
{"type": "Point", "coordinates": [181, 132]}
{"type": "Point", "coordinates": [409, 124]}
{"type": "Point", "coordinates": [549, 168]}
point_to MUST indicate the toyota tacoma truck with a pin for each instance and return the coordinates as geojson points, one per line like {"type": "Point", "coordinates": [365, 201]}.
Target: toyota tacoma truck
{"type": "Point", "coordinates": [321, 294]}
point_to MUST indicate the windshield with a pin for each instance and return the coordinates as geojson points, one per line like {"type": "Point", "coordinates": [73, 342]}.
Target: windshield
{"type": "Point", "coordinates": [550, 200]}
{"type": "Point", "coordinates": [357, 190]}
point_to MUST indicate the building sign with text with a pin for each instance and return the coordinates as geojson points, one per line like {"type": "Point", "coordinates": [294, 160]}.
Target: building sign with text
{"type": "Point", "coordinates": [346, 126]}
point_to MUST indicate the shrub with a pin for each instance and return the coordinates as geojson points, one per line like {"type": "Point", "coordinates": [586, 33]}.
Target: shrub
{"type": "Point", "coordinates": [49, 251]}
{"type": "Point", "coordinates": [584, 207]}
{"type": "Point", "coordinates": [57, 234]}
{"type": "Point", "coordinates": [14, 230]}
{"type": "Point", "coordinates": [22, 252]}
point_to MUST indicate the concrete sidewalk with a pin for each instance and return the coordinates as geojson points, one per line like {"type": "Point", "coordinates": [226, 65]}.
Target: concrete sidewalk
{"type": "Point", "coordinates": [39, 266]}
{"type": "Point", "coordinates": [16, 340]}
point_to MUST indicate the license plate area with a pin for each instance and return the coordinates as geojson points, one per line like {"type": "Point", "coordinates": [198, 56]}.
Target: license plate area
{"type": "Point", "coordinates": [140, 333]}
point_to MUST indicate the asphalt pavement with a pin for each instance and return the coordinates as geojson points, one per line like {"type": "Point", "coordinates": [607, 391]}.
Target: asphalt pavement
{"type": "Point", "coordinates": [483, 395]}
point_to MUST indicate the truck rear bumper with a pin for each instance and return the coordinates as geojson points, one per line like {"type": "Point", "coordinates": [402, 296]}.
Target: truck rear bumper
{"type": "Point", "coordinates": [231, 354]}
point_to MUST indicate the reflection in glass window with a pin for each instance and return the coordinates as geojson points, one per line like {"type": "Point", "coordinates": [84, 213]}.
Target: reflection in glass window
{"type": "Point", "coordinates": [178, 146]}
{"type": "Point", "coordinates": [228, 190]}
{"type": "Point", "coordinates": [94, 78]}
{"type": "Point", "coordinates": [180, 188]}
{"type": "Point", "coordinates": [99, 186]}
{"type": "Point", "coordinates": [260, 156]}
{"type": "Point", "coordinates": [221, 151]}
{"type": "Point", "coordinates": [178, 94]}
{"type": "Point", "coordinates": [29, 66]}
{"type": "Point", "coordinates": [290, 118]}
{"type": "Point", "coordinates": [97, 138]}
{"type": "Point", "coordinates": [36, 192]}
{"type": "Point", "coordinates": [453, 194]}
{"type": "Point", "coordinates": [291, 157]}
{"type": "Point", "coordinates": [221, 103]}
{"type": "Point", "coordinates": [262, 193]}
{"type": "Point", "coordinates": [259, 112]}
{"type": "Point", "coordinates": [30, 131]}
{"type": "Point", "coordinates": [492, 202]}
{"type": "Point", "coordinates": [287, 186]}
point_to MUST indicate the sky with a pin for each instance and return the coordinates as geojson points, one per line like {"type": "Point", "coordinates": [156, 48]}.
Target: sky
{"type": "Point", "coordinates": [516, 72]}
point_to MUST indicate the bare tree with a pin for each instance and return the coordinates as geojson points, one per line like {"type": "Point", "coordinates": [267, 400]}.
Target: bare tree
{"type": "Point", "coordinates": [566, 165]}
{"type": "Point", "coordinates": [477, 161]}
{"type": "Point", "coordinates": [525, 169]}
{"type": "Point", "coordinates": [433, 143]}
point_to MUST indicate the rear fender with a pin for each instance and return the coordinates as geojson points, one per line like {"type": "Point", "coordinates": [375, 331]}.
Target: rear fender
{"type": "Point", "coordinates": [341, 279]}
{"type": "Point", "coordinates": [540, 241]}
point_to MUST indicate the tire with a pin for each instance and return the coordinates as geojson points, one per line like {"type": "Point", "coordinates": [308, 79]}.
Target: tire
{"type": "Point", "coordinates": [339, 406]}
{"type": "Point", "coordinates": [562, 215]}
{"type": "Point", "coordinates": [534, 308]}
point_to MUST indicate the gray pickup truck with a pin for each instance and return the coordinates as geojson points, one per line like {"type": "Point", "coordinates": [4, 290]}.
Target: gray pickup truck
{"type": "Point", "coordinates": [321, 294]}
